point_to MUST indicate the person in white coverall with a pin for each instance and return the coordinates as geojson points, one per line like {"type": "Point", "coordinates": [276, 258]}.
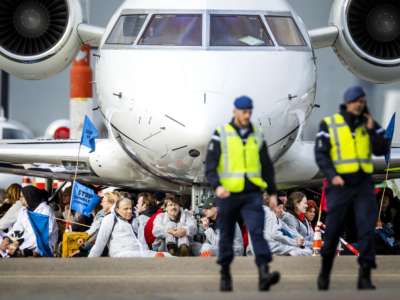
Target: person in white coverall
{"type": "Point", "coordinates": [119, 233]}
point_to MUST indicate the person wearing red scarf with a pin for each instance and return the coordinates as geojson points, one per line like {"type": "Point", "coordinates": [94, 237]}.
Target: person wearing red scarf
{"type": "Point", "coordinates": [294, 218]}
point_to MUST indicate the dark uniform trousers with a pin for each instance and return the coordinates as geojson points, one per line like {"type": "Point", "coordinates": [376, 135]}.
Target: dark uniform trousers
{"type": "Point", "coordinates": [249, 206]}
{"type": "Point", "coordinates": [362, 200]}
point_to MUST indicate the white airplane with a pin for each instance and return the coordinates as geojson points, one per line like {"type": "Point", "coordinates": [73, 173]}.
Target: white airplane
{"type": "Point", "coordinates": [167, 73]}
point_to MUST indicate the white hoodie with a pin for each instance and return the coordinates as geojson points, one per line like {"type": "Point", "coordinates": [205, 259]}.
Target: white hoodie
{"type": "Point", "coordinates": [121, 238]}
{"type": "Point", "coordinates": [10, 217]}
{"type": "Point", "coordinates": [24, 225]}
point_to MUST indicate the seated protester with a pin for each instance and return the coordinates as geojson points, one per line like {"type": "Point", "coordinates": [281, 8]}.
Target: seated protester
{"type": "Point", "coordinates": [34, 199]}
{"type": "Point", "coordinates": [65, 202]}
{"type": "Point", "coordinates": [385, 241]}
{"type": "Point", "coordinates": [160, 198]}
{"type": "Point", "coordinates": [310, 215]}
{"type": "Point", "coordinates": [148, 228]}
{"type": "Point", "coordinates": [385, 238]}
{"type": "Point", "coordinates": [9, 246]}
{"type": "Point", "coordinates": [119, 234]}
{"type": "Point", "coordinates": [210, 246]}
{"type": "Point", "coordinates": [107, 202]}
{"type": "Point", "coordinates": [281, 235]}
{"type": "Point", "coordinates": [175, 228]}
{"type": "Point", "coordinates": [389, 211]}
{"type": "Point", "coordinates": [79, 218]}
{"type": "Point", "coordinates": [145, 208]}
{"type": "Point", "coordinates": [294, 217]}
{"type": "Point", "coordinates": [11, 207]}
{"type": "Point", "coordinates": [4, 243]}
{"type": "Point", "coordinates": [281, 239]}
{"type": "Point", "coordinates": [282, 196]}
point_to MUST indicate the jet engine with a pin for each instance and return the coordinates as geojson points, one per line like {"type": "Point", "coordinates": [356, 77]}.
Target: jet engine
{"type": "Point", "coordinates": [38, 38]}
{"type": "Point", "coordinates": [369, 38]}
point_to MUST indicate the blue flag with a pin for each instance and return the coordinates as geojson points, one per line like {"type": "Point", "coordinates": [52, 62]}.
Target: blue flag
{"type": "Point", "coordinates": [89, 133]}
{"type": "Point", "coordinates": [389, 135]}
{"type": "Point", "coordinates": [84, 199]}
{"type": "Point", "coordinates": [40, 226]}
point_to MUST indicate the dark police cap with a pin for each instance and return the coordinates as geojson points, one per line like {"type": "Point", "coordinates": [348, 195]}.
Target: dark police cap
{"type": "Point", "coordinates": [209, 203]}
{"type": "Point", "coordinates": [243, 102]}
{"type": "Point", "coordinates": [353, 93]}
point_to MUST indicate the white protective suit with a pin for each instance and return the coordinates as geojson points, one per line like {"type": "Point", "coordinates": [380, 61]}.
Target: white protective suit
{"type": "Point", "coordinates": [162, 224]}
{"type": "Point", "coordinates": [121, 238]}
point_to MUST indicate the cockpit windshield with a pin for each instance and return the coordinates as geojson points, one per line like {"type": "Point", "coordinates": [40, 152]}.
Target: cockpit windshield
{"type": "Point", "coordinates": [173, 30]}
{"type": "Point", "coordinates": [126, 30]}
{"type": "Point", "coordinates": [285, 31]}
{"type": "Point", "coordinates": [238, 30]}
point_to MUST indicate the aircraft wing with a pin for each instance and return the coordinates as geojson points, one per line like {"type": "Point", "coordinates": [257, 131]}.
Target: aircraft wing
{"type": "Point", "coordinates": [54, 159]}
{"type": "Point", "coordinates": [57, 159]}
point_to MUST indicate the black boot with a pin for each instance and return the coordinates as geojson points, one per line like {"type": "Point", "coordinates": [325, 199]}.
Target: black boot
{"type": "Point", "coordinates": [266, 279]}
{"type": "Point", "coordinates": [184, 250]}
{"type": "Point", "coordinates": [323, 282]}
{"type": "Point", "coordinates": [364, 279]}
{"type": "Point", "coordinates": [172, 249]}
{"type": "Point", "coordinates": [325, 273]}
{"type": "Point", "coordinates": [226, 280]}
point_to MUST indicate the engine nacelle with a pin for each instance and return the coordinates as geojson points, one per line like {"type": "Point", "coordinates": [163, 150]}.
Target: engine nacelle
{"type": "Point", "coordinates": [38, 38]}
{"type": "Point", "coordinates": [369, 38]}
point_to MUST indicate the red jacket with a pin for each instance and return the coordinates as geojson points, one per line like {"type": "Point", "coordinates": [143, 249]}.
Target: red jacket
{"type": "Point", "coordinates": [148, 228]}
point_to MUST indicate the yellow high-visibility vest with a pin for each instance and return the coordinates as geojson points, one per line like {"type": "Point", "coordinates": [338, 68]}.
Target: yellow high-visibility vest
{"type": "Point", "coordinates": [238, 159]}
{"type": "Point", "coordinates": [349, 152]}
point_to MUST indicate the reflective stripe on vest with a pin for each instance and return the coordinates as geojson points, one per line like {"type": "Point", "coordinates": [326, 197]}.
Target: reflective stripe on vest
{"type": "Point", "coordinates": [238, 159]}
{"type": "Point", "coordinates": [349, 152]}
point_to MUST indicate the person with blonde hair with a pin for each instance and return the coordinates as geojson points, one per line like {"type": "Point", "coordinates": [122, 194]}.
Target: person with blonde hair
{"type": "Point", "coordinates": [11, 206]}
{"type": "Point", "coordinates": [107, 202]}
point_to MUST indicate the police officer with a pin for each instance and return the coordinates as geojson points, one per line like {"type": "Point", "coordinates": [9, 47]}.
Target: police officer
{"type": "Point", "coordinates": [343, 150]}
{"type": "Point", "coordinates": [238, 168]}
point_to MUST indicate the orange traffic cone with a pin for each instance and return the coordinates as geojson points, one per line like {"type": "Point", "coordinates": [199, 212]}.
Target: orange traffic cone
{"type": "Point", "coordinates": [159, 254]}
{"type": "Point", "coordinates": [317, 243]}
{"type": "Point", "coordinates": [206, 253]}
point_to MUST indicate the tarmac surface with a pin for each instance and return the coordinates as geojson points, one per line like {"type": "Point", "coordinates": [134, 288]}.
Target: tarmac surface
{"type": "Point", "coordinates": [185, 278]}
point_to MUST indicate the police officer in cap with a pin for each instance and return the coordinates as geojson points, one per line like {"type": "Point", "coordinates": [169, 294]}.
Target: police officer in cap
{"type": "Point", "coordinates": [343, 150]}
{"type": "Point", "coordinates": [238, 168]}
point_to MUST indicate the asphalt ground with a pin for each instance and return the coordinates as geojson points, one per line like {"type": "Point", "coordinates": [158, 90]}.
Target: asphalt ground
{"type": "Point", "coordinates": [185, 278]}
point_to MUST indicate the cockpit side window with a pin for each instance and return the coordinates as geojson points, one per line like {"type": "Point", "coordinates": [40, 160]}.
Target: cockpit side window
{"type": "Point", "coordinates": [238, 30]}
{"type": "Point", "coordinates": [173, 30]}
{"type": "Point", "coordinates": [126, 30]}
{"type": "Point", "coordinates": [285, 31]}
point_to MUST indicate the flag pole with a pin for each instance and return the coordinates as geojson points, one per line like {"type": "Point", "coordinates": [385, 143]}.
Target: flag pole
{"type": "Point", "coordinates": [73, 181]}
{"type": "Point", "coordinates": [323, 194]}
{"type": "Point", "coordinates": [320, 212]}
{"type": "Point", "coordinates": [378, 221]}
